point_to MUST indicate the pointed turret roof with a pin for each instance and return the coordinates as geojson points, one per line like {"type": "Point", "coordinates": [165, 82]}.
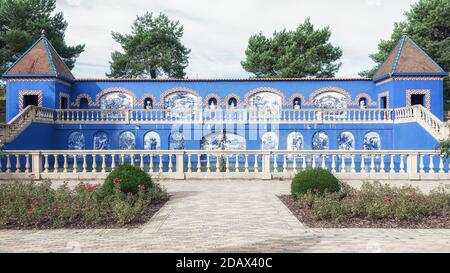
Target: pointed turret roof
{"type": "Point", "coordinates": [408, 59]}
{"type": "Point", "coordinates": [40, 60]}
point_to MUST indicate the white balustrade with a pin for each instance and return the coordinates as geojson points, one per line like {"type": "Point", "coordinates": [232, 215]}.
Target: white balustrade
{"type": "Point", "coordinates": [215, 164]}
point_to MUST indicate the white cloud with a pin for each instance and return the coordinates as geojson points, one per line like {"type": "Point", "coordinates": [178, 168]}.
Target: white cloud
{"type": "Point", "coordinates": [217, 31]}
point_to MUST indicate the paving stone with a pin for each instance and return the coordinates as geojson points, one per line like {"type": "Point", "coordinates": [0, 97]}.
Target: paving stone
{"type": "Point", "coordinates": [227, 216]}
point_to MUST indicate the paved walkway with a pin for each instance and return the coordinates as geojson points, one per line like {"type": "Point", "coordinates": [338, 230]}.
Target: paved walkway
{"type": "Point", "coordinates": [225, 216]}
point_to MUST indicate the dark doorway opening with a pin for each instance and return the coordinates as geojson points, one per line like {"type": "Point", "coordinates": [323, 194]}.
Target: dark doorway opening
{"type": "Point", "coordinates": [84, 104]}
{"type": "Point", "coordinates": [64, 103]}
{"type": "Point", "coordinates": [417, 99]}
{"type": "Point", "coordinates": [30, 100]}
{"type": "Point", "coordinates": [383, 102]}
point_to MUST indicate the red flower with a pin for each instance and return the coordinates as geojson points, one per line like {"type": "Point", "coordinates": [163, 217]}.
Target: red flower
{"type": "Point", "coordinates": [387, 200]}
{"type": "Point", "coordinates": [117, 181]}
{"type": "Point", "coordinates": [130, 193]}
{"type": "Point", "coordinates": [30, 212]}
{"type": "Point", "coordinates": [118, 191]}
{"type": "Point", "coordinates": [56, 210]}
{"type": "Point", "coordinates": [413, 194]}
{"type": "Point", "coordinates": [307, 207]}
{"type": "Point", "coordinates": [91, 188]}
{"type": "Point", "coordinates": [141, 187]}
{"type": "Point", "coordinates": [316, 191]}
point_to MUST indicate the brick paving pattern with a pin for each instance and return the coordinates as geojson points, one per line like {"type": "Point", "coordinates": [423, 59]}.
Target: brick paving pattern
{"type": "Point", "coordinates": [227, 216]}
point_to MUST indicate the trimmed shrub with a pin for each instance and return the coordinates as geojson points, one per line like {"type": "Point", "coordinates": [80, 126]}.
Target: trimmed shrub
{"type": "Point", "coordinates": [128, 179]}
{"type": "Point", "coordinates": [315, 180]}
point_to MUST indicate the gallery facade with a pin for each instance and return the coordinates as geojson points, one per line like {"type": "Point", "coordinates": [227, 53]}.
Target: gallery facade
{"type": "Point", "coordinates": [386, 127]}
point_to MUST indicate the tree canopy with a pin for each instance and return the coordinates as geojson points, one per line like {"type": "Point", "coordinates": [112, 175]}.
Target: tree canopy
{"type": "Point", "coordinates": [21, 23]}
{"type": "Point", "coordinates": [428, 24]}
{"type": "Point", "coordinates": [303, 52]}
{"type": "Point", "coordinates": [152, 49]}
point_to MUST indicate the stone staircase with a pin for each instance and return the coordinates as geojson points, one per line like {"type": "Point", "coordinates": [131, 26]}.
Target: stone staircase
{"type": "Point", "coordinates": [10, 131]}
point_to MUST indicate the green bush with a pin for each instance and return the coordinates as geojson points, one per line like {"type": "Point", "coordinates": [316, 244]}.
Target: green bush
{"type": "Point", "coordinates": [315, 180]}
{"type": "Point", "coordinates": [128, 178]}
{"type": "Point", "coordinates": [376, 201]}
{"type": "Point", "coordinates": [39, 205]}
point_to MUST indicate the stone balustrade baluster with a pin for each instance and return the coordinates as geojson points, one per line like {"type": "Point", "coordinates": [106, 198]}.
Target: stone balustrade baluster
{"type": "Point", "coordinates": [431, 165]}
{"type": "Point", "coordinates": [46, 163]}
{"type": "Point", "coordinates": [392, 165]}
{"type": "Point", "coordinates": [94, 163]}
{"type": "Point", "coordinates": [55, 164]}
{"type": "Point", "coordinates": [333, 163]}
{"type": "Point", "coordinates": [189, 163]}
{"type": "Point", "coordinates": [382, 170]}
{"type": "Point", "coordinates": [85, 163]}
{"type": "Point", "coordinates": [103, 163]}
{"type": "Point", "coordinates": [275, 163]}
{"type": "Point", "coordinates": [27, 164]}
{"type": "Point", "coordinates": [18, 166]}
{"type": "Point", "coordinates": [65, 163]}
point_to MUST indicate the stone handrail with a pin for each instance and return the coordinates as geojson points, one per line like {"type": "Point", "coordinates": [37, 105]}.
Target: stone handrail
{"type": "Point", "coordinates": [142, 116]}
{"type": "Point", "coordinates": [356, 164]}
{"type": "Point", "coordinates": [417, 113]}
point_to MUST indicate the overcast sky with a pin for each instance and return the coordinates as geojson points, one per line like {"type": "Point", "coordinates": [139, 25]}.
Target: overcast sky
{"type": "Point", "coordinates": [217, 31]}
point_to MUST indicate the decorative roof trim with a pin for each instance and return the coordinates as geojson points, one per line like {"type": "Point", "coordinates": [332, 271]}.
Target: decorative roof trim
{"type": "Point", "coordinates": [49, 56]}
{"type": "Point", "coordinates": [217, 79]}
{"type": "Point", "coordinates": [23, 55]}
{"type": "Point", "coordinates": [397, 57]}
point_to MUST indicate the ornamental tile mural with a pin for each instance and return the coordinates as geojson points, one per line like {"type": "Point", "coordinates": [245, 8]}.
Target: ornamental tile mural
{"type": "Point", "coordinates": [269, 141]}
{"type": "Point", "coordinates": [116, 100]}
{"type": "Point", "coordinates": [152, 141]}
{"type": "Point", "coordinates": [127, 141]}
{"type": "Point", "coordinates": [176, 141]}
{"type": "Point", "coordinates": [76, 141]}
{"type": "Point", "coordinates": [223, 141]}
{"type": "Point", "coordinates": [101, 141]}
{"type": "Point", "coordinates": [330, 100]}
{"type": "Point", "coordinates": [266, 101]}
{"type": "Point", "coordinates": [294, 141]}
{"type": "Point", "coordinates": [346, 141]}
{"type": "Point", "coordinates": [372, 141]}
{"type": "Point", "coordinates": [180, 101]}
{"type": "Point", "coordinates": [320, 141]}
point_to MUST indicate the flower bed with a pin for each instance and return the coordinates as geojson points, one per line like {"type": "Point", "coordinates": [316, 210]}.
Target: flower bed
{"type": "Point", "coordinates": [38, 205]}
{"type": "Point", "coordinates": [375, 205]}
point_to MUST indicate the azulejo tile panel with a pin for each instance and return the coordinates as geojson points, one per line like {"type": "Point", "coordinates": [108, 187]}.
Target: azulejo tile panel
{"type": "Point", "coordinates": [330, 100]}
{"type": "Point", "coordinates": [266, 101]}
{"type": "Point", "coordinates": [127, 141]}
{"type": "Point", "coordinates": [346, 141]}
{"type": "Point", "coordinates": [223, 141]}
{"type": "Point", "coordinates": [176, 141]}
{"type": "Point", "coordinates": [372, 141]}
{"type": "Point", "coordinates": [320, 141]}
{"type": "Point", "coordinates": [116, 100]}
{"type": "Point", "coordinates": [295, 141]}
{"type": "Point", "coordinates": [152, 141]}
{"type": "Point", "coordinates": [269, 141]}
{"type": "Point", "coordinates": [76, 141]}
{"type": "Point", "coordinates": [101, 141]}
